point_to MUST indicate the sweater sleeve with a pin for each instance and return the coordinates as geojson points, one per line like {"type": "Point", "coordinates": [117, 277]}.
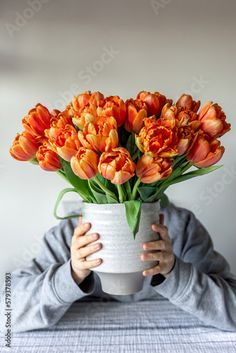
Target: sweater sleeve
{"type": "Point", "coordinates": [44, 290]}
{"type": "Point", "coordinates": [200, 282]}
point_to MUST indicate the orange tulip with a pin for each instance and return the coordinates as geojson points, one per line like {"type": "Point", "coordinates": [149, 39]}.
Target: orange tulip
{"type": "Point", "coordinates": [154, 101]}
{"type": "Point", "coordinates": [116, 166]}
{"type": "Point", "coordinates": [85, 163]}
{"type": "Point", "coordinates": [37, 121]}
{"type": "Point", "coordinates": [64, 141]}
{"type": "Point", "coordinates": [168, 116]}
{"type": "Point", "coordinates": [80, 102]}
{"type": "Point", "coordinates": [186, 102]}
{"type": "Point", "coordinates": [100, 135]}
{"type": "Point", "coordinates": [186, 137]}
{"type": "Point", "coordinates": [157, 139]}
{"type": "Point", "coordinates": [151, 169]}
{"type": "Point", "coordinates": [205, 151]}
{"type": "Point", "coordinates": [136, 112]}
{"type": "Point", "coordinates": [24, 147]}
{"type": "Point", "coordinates": [89, 115]}
{"type": "Point", "coordinates": [213, 120]}
{"type": "Point", "coordinates": [84, 108]}
{"type": "Point", "coordinates": [48, 159]}
{"type": "Point", "coordinates": [115, 106]}
{"type": "Point", "coordinates": [171, 117]}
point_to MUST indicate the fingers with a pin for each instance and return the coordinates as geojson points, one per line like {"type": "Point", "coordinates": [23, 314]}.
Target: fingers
{"type": "Point", "coordinates": [158, 245]}
{"type": "Point", "coordinates": [153, 271]}
{"type": "Point", "coordinates": [85, 265]}
{"type": "Point", "coordinates": [85, 240]}
{"type": "Point", "coordinates": [81, 229]}
{"type": "Point", "coordinates": [87, 250]}
{"type": "Point", "coordinates": [162, 256]}
{"type": "Point", "coordinates": [161, 229]}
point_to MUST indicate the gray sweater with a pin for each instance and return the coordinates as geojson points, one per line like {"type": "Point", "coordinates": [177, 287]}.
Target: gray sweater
{"type": "Point", "coordinates": [200, 283]}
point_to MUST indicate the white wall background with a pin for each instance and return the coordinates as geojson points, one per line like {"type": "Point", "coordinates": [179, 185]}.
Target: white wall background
{"type": "Point", "coordinates": [51, 50]}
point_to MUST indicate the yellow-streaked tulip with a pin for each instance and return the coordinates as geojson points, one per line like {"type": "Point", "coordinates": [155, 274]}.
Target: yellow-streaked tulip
{"type": "Point", "coordinates": [151, 169]}
{"type": "Point", "coordinates": [100, 135]}
{"type": "Point", "coordinates": [116, 166]}
{"type": "Point", "coordinates": [24, 147]}
{"type": "Point", "coordinates": [85, 163]}
{"type": "Point", "coordinates": [157, 139]}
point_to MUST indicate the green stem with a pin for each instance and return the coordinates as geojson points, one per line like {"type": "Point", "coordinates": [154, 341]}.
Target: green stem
{"type": "Point", "coordinates": [128, 189]}
{"type": "Point", "coordinates": [120, 193]}
{"type": "Point", "coordinates": [135, 155]}
{"type": "Point", "coordinates": [135, 189]}
{"type": "Point", "coordinates": [103, 187]}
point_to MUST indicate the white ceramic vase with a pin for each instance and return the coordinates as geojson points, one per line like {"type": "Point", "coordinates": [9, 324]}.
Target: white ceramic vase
{"type": "Point", "coordinates": [121, 269]}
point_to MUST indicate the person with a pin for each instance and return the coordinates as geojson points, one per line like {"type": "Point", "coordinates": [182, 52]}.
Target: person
{"type": "Point", "coordinates": [188, 271]}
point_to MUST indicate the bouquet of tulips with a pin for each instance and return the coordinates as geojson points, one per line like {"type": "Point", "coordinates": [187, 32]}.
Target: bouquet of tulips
{"type": "Point", "coordinates": [116, 151]}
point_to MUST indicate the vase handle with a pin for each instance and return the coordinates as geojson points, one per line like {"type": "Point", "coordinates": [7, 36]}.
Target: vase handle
{"type": "Point", "coordinates": [58, 201]}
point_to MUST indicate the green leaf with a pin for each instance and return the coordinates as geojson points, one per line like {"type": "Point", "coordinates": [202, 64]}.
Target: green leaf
{"type": "Point", "coordinates": [133, 211]}
{"type": "Point", "coordinates": [130, 145]}
{"type": "Point", "coordinates": [164, 200]}
{"type": "Point", "coordinates": [98, 194]}
{"type": "Point", "coordinates": [111, 199]}
{"type": "Point", "coordinates": [58, 201]}
{"type": "Point", "coordinates": [195, 173]}
{"type": "Point", "coordinates": [80, 185]}
{"type": "Point", "coordinates": [146, 191]}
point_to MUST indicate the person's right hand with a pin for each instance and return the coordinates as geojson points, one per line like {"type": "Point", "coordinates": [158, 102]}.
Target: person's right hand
{"type": "Point", "coordinates": [80, 248]}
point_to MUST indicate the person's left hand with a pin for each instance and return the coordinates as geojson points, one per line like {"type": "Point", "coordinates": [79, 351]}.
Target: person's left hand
{"type": "Point", "coordinates": [160, 251]}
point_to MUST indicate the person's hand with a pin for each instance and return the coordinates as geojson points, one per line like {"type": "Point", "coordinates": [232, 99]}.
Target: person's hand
{"type": "Point", "coordinates": [80, 248]}
{"type": "Point", "coordinates": [160, 251]}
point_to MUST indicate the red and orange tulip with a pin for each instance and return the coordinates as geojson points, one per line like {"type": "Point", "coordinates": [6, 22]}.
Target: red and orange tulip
{"type": "Point", "coordinates": [151, 169]}
{"type": "Point", "coordinates": [213, 120]}
{"type": "Point", "coordinates": [85, 163]}
{"type": "Point", "coordinates": [136, 112]}
{"type": "Point", "coordinates": [100, 135]}
{"type": "Point", "coordinates": [24, 147]}
{"type": "Point", "coordinates": [48, 159]}
{"type": "Point", "coordinates": [117, 165]}
{"type": "Point", "coordinates": [37, 120]}
{"type": "Point", "coordinates": [205, 151]}
{"type": "Point", "coordinates": [157, 139]}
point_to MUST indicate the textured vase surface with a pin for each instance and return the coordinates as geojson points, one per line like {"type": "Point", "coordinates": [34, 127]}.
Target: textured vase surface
{"type": "Point", "coordinates": [121, 269]}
